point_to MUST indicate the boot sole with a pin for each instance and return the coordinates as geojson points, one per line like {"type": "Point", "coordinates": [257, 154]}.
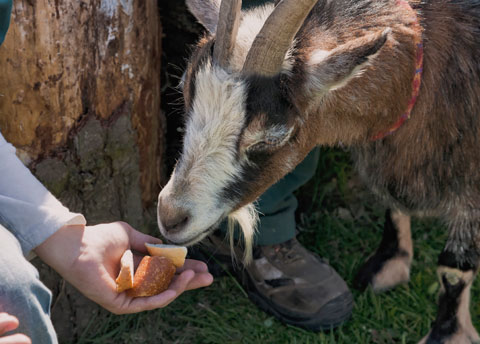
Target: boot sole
{"type": "Point", "coordinates": [333, 314]}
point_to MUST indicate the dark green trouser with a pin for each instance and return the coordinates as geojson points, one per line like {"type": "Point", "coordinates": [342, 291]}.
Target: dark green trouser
{"type": "Point", "coordinates": [5, 9]}
{"type": "Point", "coordinates": [278, 204]}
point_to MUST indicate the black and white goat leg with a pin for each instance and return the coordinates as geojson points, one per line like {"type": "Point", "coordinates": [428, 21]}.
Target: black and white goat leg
{"type": "Point", "coordinates": [390, 265]}
{"type": "Point", "coordinates": [453, 324]}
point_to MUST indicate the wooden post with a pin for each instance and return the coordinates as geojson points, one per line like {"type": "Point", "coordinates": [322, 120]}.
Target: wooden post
{"type": "Point", "coordinates": [80, 99]}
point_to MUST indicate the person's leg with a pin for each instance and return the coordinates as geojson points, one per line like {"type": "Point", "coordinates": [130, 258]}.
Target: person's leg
{"type": "Point", "coordinates": [278, 204]}
{"type": "Point", "coordinates": [22, 294]}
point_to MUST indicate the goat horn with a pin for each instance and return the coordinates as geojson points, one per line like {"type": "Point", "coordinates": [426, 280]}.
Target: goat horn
{"type": "Point", "coordinates": [269, 48]}
{"type": "Point", "coordinates": [227, 28]}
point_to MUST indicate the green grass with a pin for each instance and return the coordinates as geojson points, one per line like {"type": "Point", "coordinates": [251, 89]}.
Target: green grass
{"type": "Point", "coordinates": [343, 223]}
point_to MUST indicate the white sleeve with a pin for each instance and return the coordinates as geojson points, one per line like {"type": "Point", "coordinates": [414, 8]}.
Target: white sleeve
{"type": "Point", "coordinates": [27, 208]}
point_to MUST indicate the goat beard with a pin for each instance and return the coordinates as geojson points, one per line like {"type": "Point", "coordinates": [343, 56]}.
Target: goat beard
{"type": "Point", "coordinates": [247, 219]}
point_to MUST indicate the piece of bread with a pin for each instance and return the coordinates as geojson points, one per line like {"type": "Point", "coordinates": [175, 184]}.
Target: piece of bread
{"type": "Point", "coordinates": [153, 276]}
{"type": "Point", "coordinates": [175, 253]}
{"type": "Point", "coordinates": [125, 276]}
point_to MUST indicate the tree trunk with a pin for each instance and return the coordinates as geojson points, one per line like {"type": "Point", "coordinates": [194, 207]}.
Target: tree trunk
{"type": "Point", "coordinates": [80, 99]}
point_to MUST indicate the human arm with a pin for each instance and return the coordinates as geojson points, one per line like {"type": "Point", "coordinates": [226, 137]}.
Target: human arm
{"type": "Point", "coordinates": [27, 208]}
{"type": "Point", "coordinates": [89, 257]}
{"type": "Point", "coordinates": [86, 256]}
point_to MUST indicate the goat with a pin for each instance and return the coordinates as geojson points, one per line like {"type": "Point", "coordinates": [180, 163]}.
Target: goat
{"type": "Point", "coordinates": [396, 81]}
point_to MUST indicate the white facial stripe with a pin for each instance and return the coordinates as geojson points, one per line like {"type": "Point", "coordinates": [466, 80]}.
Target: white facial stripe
{"type": "Point", "coordinates": [209, 159]}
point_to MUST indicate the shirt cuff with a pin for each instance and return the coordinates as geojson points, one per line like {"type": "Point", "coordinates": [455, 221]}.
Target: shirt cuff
{"type": "Point", "coordinates": [32, 224]}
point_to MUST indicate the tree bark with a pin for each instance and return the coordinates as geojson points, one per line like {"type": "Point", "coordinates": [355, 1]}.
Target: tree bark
{"type": "Point", "coordinates": [80, 100]}
{"type": "Point", "coordinates": [65, 62]}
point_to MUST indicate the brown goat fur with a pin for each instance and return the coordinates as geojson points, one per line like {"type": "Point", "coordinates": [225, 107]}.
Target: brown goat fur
{"type": "Point", "coordinates": [431, 165]}
{"type": "Point", "coordinates": [347, 77]}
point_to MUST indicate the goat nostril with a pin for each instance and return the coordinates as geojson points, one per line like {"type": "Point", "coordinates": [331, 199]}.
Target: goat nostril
{"type": "Point", "coordinates": [175, 224]}
{"type": "Point", "coordinates": [171, 217]}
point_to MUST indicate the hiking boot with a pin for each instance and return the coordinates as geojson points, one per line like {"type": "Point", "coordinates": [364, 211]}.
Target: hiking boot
{"type": "Point", "coordinates": [291, 283]}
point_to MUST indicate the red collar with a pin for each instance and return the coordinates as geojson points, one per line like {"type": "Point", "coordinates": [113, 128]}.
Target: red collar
{"type": "Point", "coordinates": [417, 78]}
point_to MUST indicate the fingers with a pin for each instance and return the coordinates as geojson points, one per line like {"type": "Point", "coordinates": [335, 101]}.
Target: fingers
{"type": "Point", "coordinates": [180, 282]}
{"type": "Point", "coordinates": [203, 279]}
{"type": "Point", "coordinates": [141, 304]}
{"type": "Point", "coordinates": [7, 323]}
{"type": "Point", "coordinates": [138, 240]}
{"type": "Point", "coordinates": [195, 265]}
{"type": "Point", "coordinates": [15, 339]}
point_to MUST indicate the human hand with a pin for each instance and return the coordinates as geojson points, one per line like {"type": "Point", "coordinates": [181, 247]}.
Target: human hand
{"type": "Point", "coordinates": [89, 258]}
{"type": "Point", "coordinates": [9, 323]}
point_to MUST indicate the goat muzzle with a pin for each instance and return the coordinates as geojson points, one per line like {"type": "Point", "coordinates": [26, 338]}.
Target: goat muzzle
{"type": "Point", "coordinates": [172, 218]}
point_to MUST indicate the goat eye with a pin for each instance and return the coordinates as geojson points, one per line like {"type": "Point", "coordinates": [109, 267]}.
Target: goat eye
{"type": "Point", "coordinates": [259, 146]}
{"type": "Point", "coordinates": [272, 141]}
{"type": "Point", "coordinates": [266, 144]}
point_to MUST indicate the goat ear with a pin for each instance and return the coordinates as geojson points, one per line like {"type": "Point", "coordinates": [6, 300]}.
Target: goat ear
{"type": "Point", "coordinates": [331, 70]}
{"type": "Point", "coordinates": [206, 12]}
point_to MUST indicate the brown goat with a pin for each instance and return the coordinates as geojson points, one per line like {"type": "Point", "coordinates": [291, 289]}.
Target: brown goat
{"type": "Point", "coordinates": [267, 85]}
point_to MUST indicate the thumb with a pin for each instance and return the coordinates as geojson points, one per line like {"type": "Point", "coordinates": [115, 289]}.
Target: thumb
{"type": "Point", "coordinates": [138, 240]}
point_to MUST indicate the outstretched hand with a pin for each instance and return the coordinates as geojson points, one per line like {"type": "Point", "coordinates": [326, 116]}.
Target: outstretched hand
{"type": "Point", "coordinates": [89, 258]}
{"type": "Point", "coordinates": [9, 323]}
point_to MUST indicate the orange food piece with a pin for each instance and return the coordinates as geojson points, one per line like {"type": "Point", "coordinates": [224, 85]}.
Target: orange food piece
{"type": "Point", "coordinates": [152, 277]}
{"type": "Point", "coordinates": [125, 276]}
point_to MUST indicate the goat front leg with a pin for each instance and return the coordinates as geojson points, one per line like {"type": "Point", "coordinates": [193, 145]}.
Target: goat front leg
{"type": "Point", "coordinates": [390, 265]}
{"type": "Point", "coordinates": [453, 324]}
